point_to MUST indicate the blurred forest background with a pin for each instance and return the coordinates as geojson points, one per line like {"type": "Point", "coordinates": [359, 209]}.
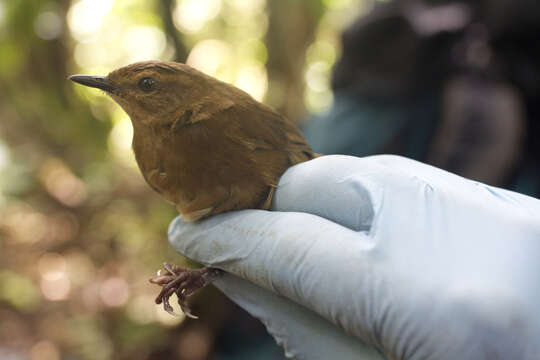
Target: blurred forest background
{"type": "Point", "coordinates": [80, 232]}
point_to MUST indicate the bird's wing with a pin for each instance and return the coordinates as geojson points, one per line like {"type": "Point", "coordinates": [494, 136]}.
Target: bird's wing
{"type": "Point", "coordinates": [258, 127]}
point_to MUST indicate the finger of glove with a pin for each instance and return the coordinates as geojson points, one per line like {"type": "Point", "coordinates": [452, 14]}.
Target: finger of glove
{"type": "Point", "coordinates": [302, 333]}
{"type": "Point", "coordinates": [340, 188]}
{"type": "Point", "coordinates": [350, 190]}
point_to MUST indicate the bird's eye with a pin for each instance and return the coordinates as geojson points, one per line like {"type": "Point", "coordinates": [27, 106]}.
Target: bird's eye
{"type": "Point", "coordinates": [147, 84]}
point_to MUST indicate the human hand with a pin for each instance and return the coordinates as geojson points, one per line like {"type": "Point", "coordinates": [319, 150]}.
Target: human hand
{"type": "Point", "coordinates": [408, 259]}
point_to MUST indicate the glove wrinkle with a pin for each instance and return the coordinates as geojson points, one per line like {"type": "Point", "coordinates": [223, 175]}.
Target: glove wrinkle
{"type": "Point", "coordinates": [352, 189]}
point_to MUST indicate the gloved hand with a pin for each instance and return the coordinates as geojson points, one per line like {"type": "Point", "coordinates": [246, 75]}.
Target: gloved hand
{"type": "Point", "coordinates": [367, 258]}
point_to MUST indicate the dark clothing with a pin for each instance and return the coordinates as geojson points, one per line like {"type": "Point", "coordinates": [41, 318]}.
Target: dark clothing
{"type": "Point", "coordinates": [454, 85]}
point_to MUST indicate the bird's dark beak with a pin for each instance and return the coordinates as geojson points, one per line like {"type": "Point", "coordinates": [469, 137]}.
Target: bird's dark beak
{"type": "Point", "coordinates": [99, 82]}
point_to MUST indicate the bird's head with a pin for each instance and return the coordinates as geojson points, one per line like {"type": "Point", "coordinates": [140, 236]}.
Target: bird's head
{"type": "Point", "coordinates": [152, 92]}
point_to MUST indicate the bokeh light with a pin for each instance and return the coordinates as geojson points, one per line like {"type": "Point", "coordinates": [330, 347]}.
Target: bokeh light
{"type": "Point", "coordinates": [318, 94]}
{"type": "Point", "coordinates": [91, 54]}
{"type": "Point", "coordinates": [253, 80]}
{"type": "Point", "coordinates": [55, 284]}
{"type": "Point", "coordinates": [55, 289]}
{"type": "Point", "coordinates": [153, 39]}
{"type": "Point", "coordinates": [192, 15]}
{"type": "Point", "coordinates": [61, 183]}
{"type": "Point", "coordinates": [48, 25]}
{"type": "Point", "coordinates": [211, 56]}
{"type": "Point", "coordinates": [248, 6]}
{"type": "Point", "coordinates": [114, 292]}
{"type": "Point", "coordinates": [120, 141]}
{"type": "Point", "coordinates": [322, 53]}
{"type": "Point", "coordinates": [52, 266]}
{"type": "Point", "coordinates": [25, 225]}
{"type": "Point", "coordinates": [86, 16]}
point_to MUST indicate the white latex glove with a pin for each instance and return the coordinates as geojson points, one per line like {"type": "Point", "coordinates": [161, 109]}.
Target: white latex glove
{"type": "Point", "coordinates": [411, 261]}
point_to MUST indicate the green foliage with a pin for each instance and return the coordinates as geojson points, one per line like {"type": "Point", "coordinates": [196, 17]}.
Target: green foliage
{"type": "Point", "coordinates": [18, 291]}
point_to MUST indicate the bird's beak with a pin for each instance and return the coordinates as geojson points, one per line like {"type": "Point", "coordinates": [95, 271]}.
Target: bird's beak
{"type": "Point", "coordinates": [99, 82]}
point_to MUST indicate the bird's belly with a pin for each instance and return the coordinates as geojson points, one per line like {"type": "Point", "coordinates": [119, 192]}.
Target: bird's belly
{"type": "Point", "coordinates": [218, 196]}
{"type": "Point", "coordinates": [210, 182]}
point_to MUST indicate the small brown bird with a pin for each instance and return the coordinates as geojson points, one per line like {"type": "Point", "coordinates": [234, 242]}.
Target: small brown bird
{"type": "Point", "coordinates": [204, 145]}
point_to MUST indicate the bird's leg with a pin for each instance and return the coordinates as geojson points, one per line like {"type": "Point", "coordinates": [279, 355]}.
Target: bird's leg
{"type": "Point", "coordinates": [182, 282]}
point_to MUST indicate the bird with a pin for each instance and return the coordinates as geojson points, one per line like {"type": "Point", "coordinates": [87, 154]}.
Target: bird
{"type": "Point", "coordinates": [204, 145]}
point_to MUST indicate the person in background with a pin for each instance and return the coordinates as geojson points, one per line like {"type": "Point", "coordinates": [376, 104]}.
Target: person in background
{"type": "Point", "coordinates": [455, 84]}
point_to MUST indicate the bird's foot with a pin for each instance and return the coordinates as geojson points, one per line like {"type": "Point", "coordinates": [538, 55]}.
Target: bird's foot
{"type": "Point", "coordinates": [182, 282]}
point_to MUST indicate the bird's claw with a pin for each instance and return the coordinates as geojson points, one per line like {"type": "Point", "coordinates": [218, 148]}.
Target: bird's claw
{"type": "Point", "coordinates": [182, 282]}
